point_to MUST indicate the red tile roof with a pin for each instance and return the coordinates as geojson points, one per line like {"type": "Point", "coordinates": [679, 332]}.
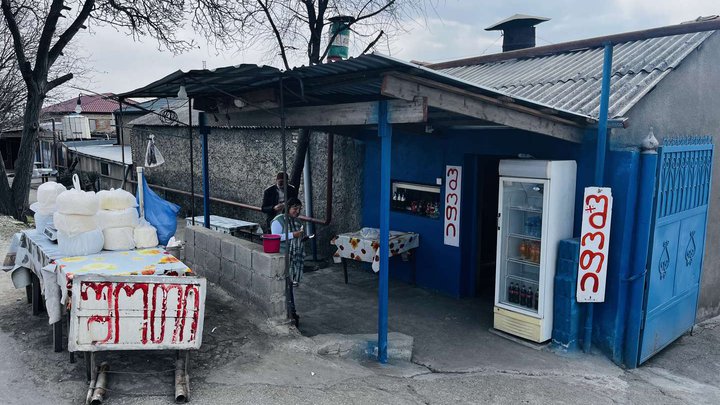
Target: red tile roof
{"type": "Point", "coordinates": [90, 104]}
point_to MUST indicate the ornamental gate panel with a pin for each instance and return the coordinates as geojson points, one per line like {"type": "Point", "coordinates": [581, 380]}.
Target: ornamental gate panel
{"type": "Point", "coordinates": [677, 241]}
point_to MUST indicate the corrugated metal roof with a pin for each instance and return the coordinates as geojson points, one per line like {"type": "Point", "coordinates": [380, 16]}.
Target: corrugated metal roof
{"type": "Point", "coordinates": [111, 153]}
{"type": "Point", "coordinates": [351, 80]}
{"type": "Point", "coordinates": [571, 80]}
{"type": "Point", "coordinates": [90, 103]}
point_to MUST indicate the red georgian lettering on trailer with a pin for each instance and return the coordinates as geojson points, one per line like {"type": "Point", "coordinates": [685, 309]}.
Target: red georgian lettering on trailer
{"type": "Point", "coordinates": [130, 290]}
{"type": "Point", "coordinates": [103, 291]}
{"type": "Point", "coordinates": [165, 289]}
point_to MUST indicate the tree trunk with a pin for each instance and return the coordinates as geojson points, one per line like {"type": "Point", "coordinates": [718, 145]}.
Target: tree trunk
{"type": "Point", "coordinates": [299, 161]}
{"type": "Point", "coordinates": [26, 157]}
{"type": "Point", "coordinates": [5, 191]}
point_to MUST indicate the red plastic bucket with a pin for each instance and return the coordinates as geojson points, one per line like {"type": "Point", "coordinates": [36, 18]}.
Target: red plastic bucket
{"type": "Point", "coordinates": [271, 243]}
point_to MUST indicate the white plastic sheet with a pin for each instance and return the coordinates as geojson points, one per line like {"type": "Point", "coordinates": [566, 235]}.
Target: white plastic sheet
{"type": "Point", "coordinates": [42, 221]}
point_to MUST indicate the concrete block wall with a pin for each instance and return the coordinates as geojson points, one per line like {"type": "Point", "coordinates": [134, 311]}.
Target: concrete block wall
{"type": "Point", "coordinates": [242, 163]}
{"type": "Point", "coordinates": [240, 267]}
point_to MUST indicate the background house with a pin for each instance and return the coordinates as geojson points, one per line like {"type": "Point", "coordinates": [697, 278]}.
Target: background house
{"type": "Point", "coordinates": [97, 108]}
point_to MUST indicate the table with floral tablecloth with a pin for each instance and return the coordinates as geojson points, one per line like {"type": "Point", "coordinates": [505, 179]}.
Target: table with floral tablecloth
{"type": "Point", "coordinates": [364, 246]}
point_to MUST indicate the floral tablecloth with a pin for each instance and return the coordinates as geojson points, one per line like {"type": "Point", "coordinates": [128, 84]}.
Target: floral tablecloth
{"type": "Point", "coordinates": [354, 246]}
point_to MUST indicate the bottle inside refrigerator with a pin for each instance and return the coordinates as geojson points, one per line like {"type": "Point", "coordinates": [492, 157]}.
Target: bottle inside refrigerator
{"type": "Point", "coordinates": [536, 211]}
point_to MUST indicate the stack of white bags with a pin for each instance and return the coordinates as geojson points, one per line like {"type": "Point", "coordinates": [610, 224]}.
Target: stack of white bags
{"type": "Point", "coordinates": [117, 218]}
{"type": "Point", "coordinates": [76, 221]}
{"type": "Point", "coordinates": [44, 208]}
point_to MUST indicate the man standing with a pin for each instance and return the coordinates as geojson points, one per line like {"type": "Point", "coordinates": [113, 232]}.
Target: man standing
{"type": "Point", "coordinates": [274, 198]}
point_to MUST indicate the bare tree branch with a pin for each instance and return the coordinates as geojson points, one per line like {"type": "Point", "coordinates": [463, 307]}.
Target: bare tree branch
{"type": "Point", "coordinates": [266, 10]}
{"type": "Point", "coordinates": [59, 81]}
{"type": "Point", "coordinates": [372, 44]}
{"type": "Point", "coordinates": [70, 32]}
{"type": "Point", "coordinates": [10, 20]}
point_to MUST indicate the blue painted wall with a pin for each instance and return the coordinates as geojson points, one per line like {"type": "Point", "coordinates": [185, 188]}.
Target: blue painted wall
{"type": "Point", "coordinates": [421, 158]}
{"type": "Point", "coordinates": [622, 170]}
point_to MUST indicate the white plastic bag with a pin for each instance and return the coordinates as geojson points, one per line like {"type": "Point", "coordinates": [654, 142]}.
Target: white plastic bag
{"type": "Point", "coordinates": [76, 201]}
{"type": "Point", "coordinates": [47, 192]}
{"type": "Point", "coordinates": [153, 157]}
{"type": "Point", "coordinates": [116, 199]}
{"type": "Point", "coordinates": [83, 244]}
{"type": "Point", "coordinates": [42, 221]}
{"type": "Point", "coordinates": [119, 238]}
{"type": "Point", "coordinates": [72, 224]}
{"type": "Point", "coordinates": [145, 235]}
{"type": "Point", "coordinates": [118, 218]}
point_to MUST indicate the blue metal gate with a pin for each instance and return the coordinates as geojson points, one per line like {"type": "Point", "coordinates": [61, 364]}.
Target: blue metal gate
{"type": "Point", "coordinates": [678, 241]}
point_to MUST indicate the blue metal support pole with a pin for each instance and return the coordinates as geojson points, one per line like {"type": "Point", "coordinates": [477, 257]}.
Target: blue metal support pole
{"type": "Point", "coordinates": [636, 280]}
{"type": "Point", "coordinates": [600, 164]}
{"type": "Point", "coordinates": [385, 133]}
{"type": "Point", "coordinates": [204, 131]}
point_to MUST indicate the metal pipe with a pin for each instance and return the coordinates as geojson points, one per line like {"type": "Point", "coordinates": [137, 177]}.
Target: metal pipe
{"type": "Point", "coordinates": [600, 165]}
{"type": "Point", "coordinates": [140, 191]}
{"type": "Point", "coordinates": [307, 185]}
{"type": "Point", "coordinates": [192, 163]}
{"type": "Point", "coordinates": [121, 134]}
{"type": "Point", "coordinates": [55, 152]}
{"type": "Point", "coordinates": [204, 130]}
{"type": "Point", "coordinates": [100, 385]}
{"type": "Point", "coordinates": [641, 242]}
{"type": "Point", "coordinates": [385, 134]}
{"type": "Point", "coordinates": [181, 386]}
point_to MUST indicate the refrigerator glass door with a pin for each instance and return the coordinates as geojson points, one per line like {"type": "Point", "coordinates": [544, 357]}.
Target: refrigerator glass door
{"type": "Point", "coordinates": [520, 244]}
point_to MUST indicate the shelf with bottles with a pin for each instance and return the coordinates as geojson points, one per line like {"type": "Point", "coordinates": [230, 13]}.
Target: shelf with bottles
{"type": "Point", "coordinates": [524, 250]}
{"type": "Point", "coordinates": [416, 199]}
{"type": "Point", "coordinates": [521, 292]}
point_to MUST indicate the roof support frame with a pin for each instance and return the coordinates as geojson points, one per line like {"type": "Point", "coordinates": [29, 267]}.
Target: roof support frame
{"type": "Point", "coordinates": [414, 110]}
{"type": "Point", "coordinates": [463, 102]}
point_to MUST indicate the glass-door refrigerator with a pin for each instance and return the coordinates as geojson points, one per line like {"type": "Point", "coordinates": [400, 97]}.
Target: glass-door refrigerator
{"type": "Point", "coordinates": [536, 211]}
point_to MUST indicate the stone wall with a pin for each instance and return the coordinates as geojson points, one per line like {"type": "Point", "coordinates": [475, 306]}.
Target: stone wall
{"type": "Point", "coordinates": [240, 267]}
{"type": "Point", "coordinates": [243, 162]}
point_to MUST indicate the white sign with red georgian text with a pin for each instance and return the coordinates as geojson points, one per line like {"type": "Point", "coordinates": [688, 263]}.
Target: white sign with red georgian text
{"type": "Point", "coordinates": [594, 243]}
{"type": "Point", "coordinates": [453, 187]}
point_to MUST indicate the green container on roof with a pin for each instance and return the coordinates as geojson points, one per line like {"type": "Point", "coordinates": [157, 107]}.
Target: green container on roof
{"type": "Point", "coordinates": [339, 47]}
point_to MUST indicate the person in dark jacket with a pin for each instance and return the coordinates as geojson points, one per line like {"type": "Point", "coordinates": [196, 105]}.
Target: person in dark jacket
{"type": "Point", "coordinates": [274, 198]}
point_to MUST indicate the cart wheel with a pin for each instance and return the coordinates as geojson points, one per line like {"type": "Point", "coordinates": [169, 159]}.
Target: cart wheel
{"type": "Point", "coordinates": [88, 366]}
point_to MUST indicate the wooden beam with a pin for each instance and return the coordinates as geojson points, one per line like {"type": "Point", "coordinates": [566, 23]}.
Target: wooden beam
{"type": "Point", "coordinates": [479, 106]}
{"type": "Point", "coordinates": [334, 115]}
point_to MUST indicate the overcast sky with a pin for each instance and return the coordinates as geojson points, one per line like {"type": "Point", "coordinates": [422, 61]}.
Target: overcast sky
{"type": "Point", "coordinates": [454, 29]}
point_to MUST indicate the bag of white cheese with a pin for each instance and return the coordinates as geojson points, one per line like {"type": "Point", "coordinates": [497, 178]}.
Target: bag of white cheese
{"type": "Point", "coordinates": [116, 199]}
{"type": "Point", "coordinates": [127, 217]}
{"type": "Point", "coordinates": [47, 192]}
{"type": "Point", "coordinates": [145, 236]}
{"type": "Point", "coordinates": [119, 239]}
{"type": "Point", "coordinates": [72, 224]}
{"type": "Point", "coordinates": [82, 244]}
{"type": "Point", "coordinates": [76, 201]}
